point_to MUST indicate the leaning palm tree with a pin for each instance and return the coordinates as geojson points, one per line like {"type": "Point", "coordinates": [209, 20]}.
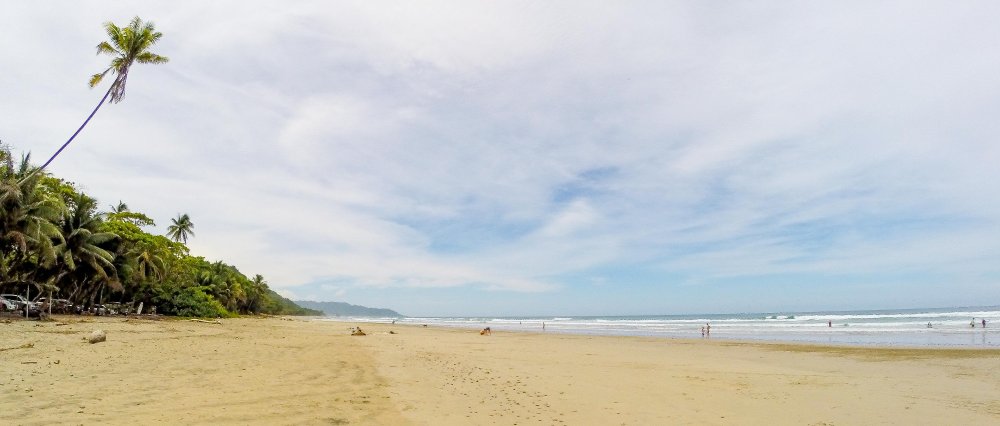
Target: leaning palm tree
{"type": "Point", "coordinates": [128, 45]}
{"type": "Point", "coordinates": [181, 229]}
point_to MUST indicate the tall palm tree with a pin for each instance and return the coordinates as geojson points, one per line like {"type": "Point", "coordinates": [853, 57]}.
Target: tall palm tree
{"type": "Point", "coordinates": [255, 293]}
{"type": "Point", "coordinates": [128, 45]}
{"type": "Point", "coordinates": [181, 229]}
{"type": "Point", "coordinates": [86, 265]}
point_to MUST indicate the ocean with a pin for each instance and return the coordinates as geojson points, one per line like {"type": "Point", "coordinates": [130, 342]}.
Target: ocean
{"type": "Point", "coordinates": [933, 327]}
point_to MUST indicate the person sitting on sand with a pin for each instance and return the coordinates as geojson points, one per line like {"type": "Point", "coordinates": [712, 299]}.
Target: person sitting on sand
{"type": "Point", "coordinates": [486, 332]}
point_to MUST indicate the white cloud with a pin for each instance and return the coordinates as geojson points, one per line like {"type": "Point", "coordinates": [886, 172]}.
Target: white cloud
{"type": "Point", "coordinates": [389, 145]}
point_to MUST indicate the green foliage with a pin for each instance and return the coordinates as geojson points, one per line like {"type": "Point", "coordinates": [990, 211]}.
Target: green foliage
{"type": "Point", "coordinates": [190, 302]}
{"type": "Point", "coordinates": [53, 237]}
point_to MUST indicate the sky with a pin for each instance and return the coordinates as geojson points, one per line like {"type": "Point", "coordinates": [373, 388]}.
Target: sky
{"type": "Point", "coordinates": [544, 158]}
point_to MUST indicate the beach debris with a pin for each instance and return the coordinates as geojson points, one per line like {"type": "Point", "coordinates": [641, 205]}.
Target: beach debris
{"type": "Point", "coordinates": [24, 346]}
{"type": "Point", "coordinates": [357, 332]}
{"type": "Point", "coordinates": [206, 322]}
{"type": "Point", "coordinates": [392, 332]}
{"type": "Point", "coordinates": [97, 336]}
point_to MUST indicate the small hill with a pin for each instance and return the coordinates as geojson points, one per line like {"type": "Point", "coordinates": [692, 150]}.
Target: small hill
{"type": "Point", "coordinates": [347, 309]}
{"type": "Point", "coordinates": [278, 305]}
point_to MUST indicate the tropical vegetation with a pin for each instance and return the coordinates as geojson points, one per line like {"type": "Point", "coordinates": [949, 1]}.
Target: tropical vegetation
{"type": "Point", "coordinates": [56, 242]}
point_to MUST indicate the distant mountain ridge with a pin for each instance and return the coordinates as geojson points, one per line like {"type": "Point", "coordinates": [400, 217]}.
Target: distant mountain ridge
{"type": "Point", "coordinates": [347, 309]}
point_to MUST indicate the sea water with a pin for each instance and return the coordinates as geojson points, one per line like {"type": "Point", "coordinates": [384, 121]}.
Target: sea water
{"type": "Point", "coordinates": [948, 327]}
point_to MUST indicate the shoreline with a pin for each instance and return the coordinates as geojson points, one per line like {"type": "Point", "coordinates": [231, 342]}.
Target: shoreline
{"type": "Point", "coordinates": [791, 346]}
{"type": "Point", "coordinates": [713, 338]}
{"type": "Point", "coordinates": [301, 371]}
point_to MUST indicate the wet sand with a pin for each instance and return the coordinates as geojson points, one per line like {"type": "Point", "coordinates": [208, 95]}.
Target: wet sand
{"type": "Point", "coordinates": [275, 371]}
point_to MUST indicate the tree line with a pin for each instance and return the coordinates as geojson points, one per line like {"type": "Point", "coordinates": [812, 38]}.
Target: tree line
{"type": "Point", "coordinates": [56, 241]}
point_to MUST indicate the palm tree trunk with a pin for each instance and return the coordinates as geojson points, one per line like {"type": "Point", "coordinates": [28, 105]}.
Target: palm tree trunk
{"type": "Point", "coordinates": [72, 137]}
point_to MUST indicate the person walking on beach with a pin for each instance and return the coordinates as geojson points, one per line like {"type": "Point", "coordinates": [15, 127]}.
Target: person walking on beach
{"type": "Point", "coordinates": [973, 323]}
{"type": "Point", "coordinates": [543, 325]}
{"type": "Point", "coordinates": [984, 322]}
{"type": "Point", "coordinates": [702, 331]}
{"type": "Point", "coordinates": [829, 323]}
{"type": "Point", "coordinates": [708, 329]}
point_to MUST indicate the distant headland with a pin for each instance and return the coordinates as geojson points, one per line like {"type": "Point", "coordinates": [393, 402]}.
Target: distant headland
{"type": "Point", "coordinates": [347, 309]}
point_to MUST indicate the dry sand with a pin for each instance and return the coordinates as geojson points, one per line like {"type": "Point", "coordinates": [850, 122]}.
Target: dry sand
{"type": "Point", "coordinates": [274, 371]}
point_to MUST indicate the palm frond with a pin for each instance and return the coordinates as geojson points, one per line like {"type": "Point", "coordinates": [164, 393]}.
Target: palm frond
{"type": "Point", "coordinates": [135, 23]}
{"type": "Point", "coordinates": [151, 58]}
{"type": "Point", "coordinates": [102, 237]}
{"type": "Point", "coordinates": [96, 78]}
{"type": "Point", "coordinates": [116, 35]}
{"type": "Point", "coordinates": [154, 36]}
{"type": "Point", "coordinates": [68, 260]}
{"type": "Point", "coordinates": [106, 48]}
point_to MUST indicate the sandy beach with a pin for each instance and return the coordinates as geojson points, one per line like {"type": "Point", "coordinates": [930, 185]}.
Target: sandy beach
{"type": "Point", "coordinates": [293, 371]}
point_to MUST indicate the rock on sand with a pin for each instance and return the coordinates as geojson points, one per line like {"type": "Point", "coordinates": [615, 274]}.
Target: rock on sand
{"type": "Point", "coordinates": [97, 336]}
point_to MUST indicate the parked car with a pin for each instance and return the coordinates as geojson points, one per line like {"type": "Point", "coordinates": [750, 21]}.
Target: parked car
{"type": "Point", "coordinates": [59, 306]}
{"type": "Point", "coordinates": [22, 304]}
{"type": "Point", "coordinates": [7, 305]}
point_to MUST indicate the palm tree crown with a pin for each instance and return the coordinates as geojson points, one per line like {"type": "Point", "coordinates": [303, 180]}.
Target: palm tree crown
{"type": "Point", "coordinates": [128, 45]}
{"type": "Point", "coordinates": [120, 208]}
{"type": "Point", "coordinates": [181, 229]}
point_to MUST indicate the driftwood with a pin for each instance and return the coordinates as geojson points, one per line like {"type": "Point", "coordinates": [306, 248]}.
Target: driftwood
{"type": "Point", "coordinates": [206, 322]}
{"type": "Point", "coordinates": [24, 346]}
